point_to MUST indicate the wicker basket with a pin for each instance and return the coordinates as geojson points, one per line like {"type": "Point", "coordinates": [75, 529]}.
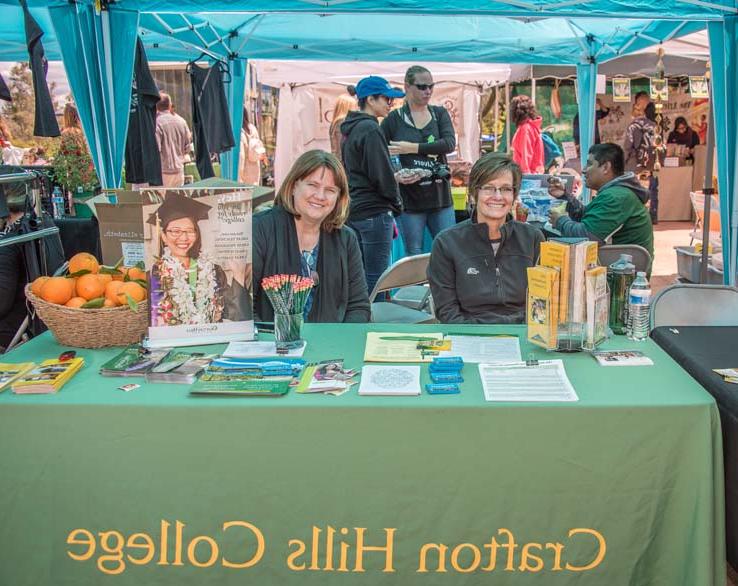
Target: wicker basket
{"type": "Point", "coordinates": [92, 328]}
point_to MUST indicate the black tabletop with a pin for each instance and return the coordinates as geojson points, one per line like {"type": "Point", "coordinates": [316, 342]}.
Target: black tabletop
{"type": "Point", "coordinates": [699, 349]}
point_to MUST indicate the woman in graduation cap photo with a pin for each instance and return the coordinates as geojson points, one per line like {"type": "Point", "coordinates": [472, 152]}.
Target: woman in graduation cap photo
{"type": "Point", "coordinates": [304, 234]}
{"type": "Point", "coordinates": [187, 286]}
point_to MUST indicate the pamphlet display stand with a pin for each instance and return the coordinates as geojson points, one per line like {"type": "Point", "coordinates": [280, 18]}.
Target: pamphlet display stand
{"type": "Point", "coordinates": [568, 299]}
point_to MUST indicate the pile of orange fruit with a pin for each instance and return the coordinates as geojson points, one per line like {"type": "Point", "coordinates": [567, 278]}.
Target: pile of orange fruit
{"type": "Point", "coordinates": [91, 285]}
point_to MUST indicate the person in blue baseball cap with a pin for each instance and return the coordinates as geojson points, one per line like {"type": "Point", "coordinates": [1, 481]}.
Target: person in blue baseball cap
{"type": "Point", "coordinates": [375, 197]}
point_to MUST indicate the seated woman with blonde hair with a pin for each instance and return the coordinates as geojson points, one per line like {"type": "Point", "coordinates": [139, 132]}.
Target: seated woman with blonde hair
{"type": "Point", "coordinates": [477, 269]}
{"type": "Point", "coordinates": [304, 234]}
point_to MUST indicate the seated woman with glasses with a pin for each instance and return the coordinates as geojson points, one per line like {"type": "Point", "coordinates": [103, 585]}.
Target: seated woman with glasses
{"type": "Point", "coordinates": [375, 199]}
{"type": "Point", "coordinates": [304, 234]}
{"type": "Point", "coordinates": [422, 135]}
{"type": "Point", "coordinates": [477, 269]}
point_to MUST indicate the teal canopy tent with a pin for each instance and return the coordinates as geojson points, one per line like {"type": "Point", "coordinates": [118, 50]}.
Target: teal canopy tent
{"type": "Point", "coordinates": [574, 32]}
{"type": "Point", "coordinates": [100, 72]}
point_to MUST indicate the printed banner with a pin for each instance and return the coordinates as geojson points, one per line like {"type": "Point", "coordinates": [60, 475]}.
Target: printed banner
{"type": "Point", "coordinates": [621, 90]}
{"type": "Point", "coordinates": [197, 251]}
{"type": "Point", "coordinates": [659, 89]}
{"type": "Point", "coordinates": [698, 87]}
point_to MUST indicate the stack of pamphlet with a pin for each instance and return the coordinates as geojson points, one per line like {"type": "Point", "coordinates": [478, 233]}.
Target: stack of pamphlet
{"type": "Point", "coordinates": [249, 377]}
{"type": "Point", "coordinates": [135, 360]}
{"type": "Point", "coordinates": [622, 358]}
{"type": "Point", "coordinates": [179, 366]}
{"type": "Point", "coordinates": [47, 377]}
{"type": "Point", "coordinates": [11, 372]}
{"type": "Point", "coordinates": [730, 375]}
{"type": "Point", "coordinates": [327, 377]}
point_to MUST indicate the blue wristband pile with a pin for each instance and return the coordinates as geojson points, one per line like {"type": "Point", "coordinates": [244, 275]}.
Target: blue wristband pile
{"type": "Point", "coordinates": [445, 372]}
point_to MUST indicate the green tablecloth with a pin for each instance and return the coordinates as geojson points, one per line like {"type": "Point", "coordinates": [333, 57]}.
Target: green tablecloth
{"type": "Point", "coordinates": [628, 481]}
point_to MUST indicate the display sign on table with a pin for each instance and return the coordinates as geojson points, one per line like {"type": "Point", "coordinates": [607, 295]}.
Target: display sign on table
{"type": "Point", "coordinates": [197, 249]}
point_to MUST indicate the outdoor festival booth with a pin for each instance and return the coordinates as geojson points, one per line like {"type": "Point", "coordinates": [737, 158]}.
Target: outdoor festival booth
{"type": "Point", "coordinates": [295, 31]}
{"type": "Point", "coordinates": [682, 58]}
{"type": "Point", "coordinates": [624, 485]}
{"type": "Point", "coordinates": [309, 89]}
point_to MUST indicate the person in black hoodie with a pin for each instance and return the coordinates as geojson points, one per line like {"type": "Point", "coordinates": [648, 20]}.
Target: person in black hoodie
{"type": "Point", "coordinates": [375, 197]}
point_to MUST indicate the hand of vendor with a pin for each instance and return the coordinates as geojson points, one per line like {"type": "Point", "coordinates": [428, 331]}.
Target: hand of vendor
{"type": "Point", "coordinates": [403, 147]}
{"type": "Point", "coordinates": [556, 187]}
{"type": "Point", "coordinates": [555, 213]}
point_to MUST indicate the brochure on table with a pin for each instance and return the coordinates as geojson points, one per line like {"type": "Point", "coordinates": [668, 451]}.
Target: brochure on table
{"type": "Point", "coordinates": [197, 252]}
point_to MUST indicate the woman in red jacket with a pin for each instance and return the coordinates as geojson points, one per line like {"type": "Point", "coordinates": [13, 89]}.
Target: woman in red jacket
{"type": "Point", "coordinates": [527, 144]}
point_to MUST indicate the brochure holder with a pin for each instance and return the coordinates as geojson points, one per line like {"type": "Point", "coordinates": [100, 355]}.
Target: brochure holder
{"type": "Point", "coordinates": [568, 298]}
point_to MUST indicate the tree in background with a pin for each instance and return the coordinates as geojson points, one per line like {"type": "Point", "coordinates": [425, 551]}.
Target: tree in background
{"type": "Point", "coordinates": [19, 114]}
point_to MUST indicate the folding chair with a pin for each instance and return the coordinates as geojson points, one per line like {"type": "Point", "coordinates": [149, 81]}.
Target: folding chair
{"type": "Point", "coordinates": [698, 205]}
{"type": "Point", "coordinates": [609, 253]}
{"type": "Point", "coordinates": [695, 305]}
{"type": "Point", "coordinates": [406, 272]}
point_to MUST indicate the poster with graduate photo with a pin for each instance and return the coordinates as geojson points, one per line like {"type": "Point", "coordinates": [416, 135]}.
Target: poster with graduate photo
{"type": "Point", "coordinates": [197, 252]}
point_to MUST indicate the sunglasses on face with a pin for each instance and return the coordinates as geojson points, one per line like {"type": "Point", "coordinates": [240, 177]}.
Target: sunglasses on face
{"type": "Point", "coordinates": [390, 101]}
{"type": "Point", "coordinates": [424, 86]}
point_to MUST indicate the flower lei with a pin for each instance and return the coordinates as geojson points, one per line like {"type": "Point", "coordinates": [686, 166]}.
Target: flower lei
{"type": "Point", "coordinates": [178, 304]}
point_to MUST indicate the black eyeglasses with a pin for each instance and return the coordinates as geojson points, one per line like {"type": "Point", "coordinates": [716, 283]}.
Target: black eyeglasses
{"type": "Point", "coordinates": [424, 86]}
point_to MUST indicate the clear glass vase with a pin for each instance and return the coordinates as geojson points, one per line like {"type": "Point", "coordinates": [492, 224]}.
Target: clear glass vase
{"type": "Point", "coordinates": [288, 330]}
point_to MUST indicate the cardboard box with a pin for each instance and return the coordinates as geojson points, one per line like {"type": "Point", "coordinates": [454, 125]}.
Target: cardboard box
{"type": "Point", "coordinates": [120, 217]}
{"type": "Point", "coordinates": [121, 227]}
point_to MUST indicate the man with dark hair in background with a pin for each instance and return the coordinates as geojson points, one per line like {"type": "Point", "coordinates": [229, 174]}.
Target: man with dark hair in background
{"type": "Point", "coordinates": [618, 214]}
{"type": "Point", "coordinates": [174, 139]}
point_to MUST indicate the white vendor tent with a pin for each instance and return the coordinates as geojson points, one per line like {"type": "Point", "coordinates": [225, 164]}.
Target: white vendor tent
{"type": "Point", "coordinates": [308, 91]}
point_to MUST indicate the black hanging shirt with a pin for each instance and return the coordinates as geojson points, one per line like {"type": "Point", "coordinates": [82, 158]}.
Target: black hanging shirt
{"type": "Point", "coordinates": [45, 123]}
{"type": "Point", "coordinates": [211, 119]}
{"type": "Point", "coordinates": [143, 163]}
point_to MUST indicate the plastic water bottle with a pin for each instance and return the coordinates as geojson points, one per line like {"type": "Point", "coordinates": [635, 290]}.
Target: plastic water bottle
{"type": "Point", "coordinates": [620, 276]}
{"type": "Point", "coordinates": [57, 203]}
{"type": "Point", "coordinates": [638, 305]}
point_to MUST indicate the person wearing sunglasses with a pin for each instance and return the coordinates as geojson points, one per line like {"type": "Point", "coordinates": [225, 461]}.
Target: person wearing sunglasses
{"type": "Point", "coordinates": [304, 234]}
{"type": "Point", "coordinates": [375, 198]}
{"type": "Point", "coordinates": [422, 135]}
{"type": "Point", "coordinates": [478, 268]}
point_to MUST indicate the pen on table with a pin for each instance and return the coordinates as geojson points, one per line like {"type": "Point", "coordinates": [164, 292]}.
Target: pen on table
{"type": "Point", "coordinates": [473, 335]}
{"type": "Point", "coordinates": [410, 338]}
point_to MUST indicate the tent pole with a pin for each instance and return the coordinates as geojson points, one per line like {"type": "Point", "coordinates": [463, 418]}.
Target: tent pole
{"type": "Point", "coordinates": [708, 191]}
{"type": "Point", "coordinates": [533, 90]}
{"type": "Point", "coordinates": [497, 118]}
{"type": "Point", "coordinates": [507, 116]}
